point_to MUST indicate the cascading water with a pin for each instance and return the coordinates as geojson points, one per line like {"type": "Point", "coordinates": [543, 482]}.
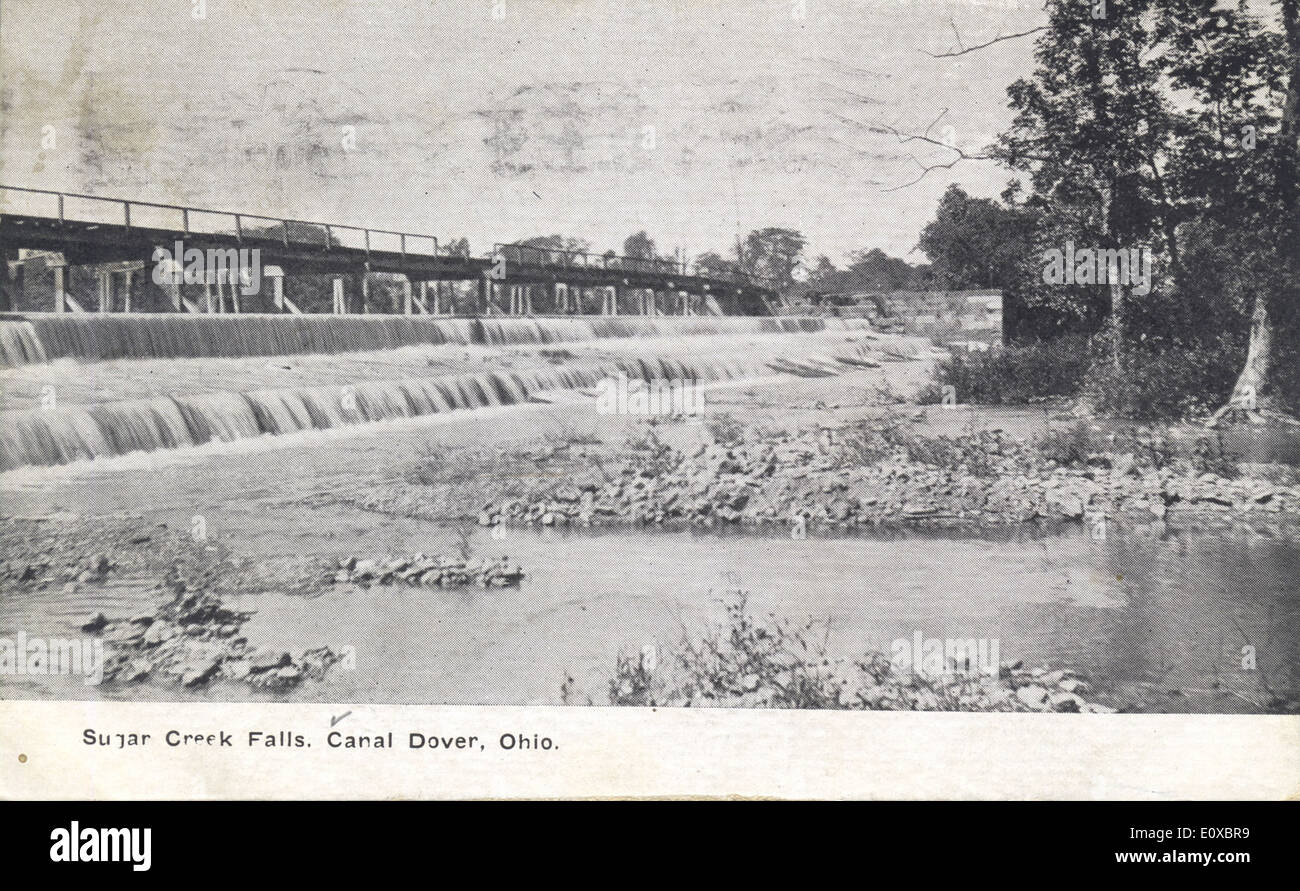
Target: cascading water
{"type": "Point", "coordinates": [19, 344]}
{"type": "Point", "coordinates": [92, 338]}
{"type": "Point", "coordinates": [65, 434]}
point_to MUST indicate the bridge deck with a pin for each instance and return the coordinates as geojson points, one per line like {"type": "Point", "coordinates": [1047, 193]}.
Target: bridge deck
{"type": "Point", "coordinates": [89, 229]}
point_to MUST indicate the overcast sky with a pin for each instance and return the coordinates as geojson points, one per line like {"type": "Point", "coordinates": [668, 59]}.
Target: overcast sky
{"type": "Point", "coordinates": [693, 121]}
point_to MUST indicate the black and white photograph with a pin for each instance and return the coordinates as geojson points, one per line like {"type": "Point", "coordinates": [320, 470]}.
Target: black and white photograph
{"type": "Point", "coordinates": [823, 355]}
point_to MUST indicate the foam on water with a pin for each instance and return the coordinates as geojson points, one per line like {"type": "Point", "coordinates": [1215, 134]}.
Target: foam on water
{"type": "Point", "coordinates": [46, 437]}
{"type": "Point", "coordinates": [39, 337]}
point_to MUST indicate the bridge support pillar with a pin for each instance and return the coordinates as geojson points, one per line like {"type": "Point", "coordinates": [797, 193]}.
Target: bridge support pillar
{"type": "Point", "coordinates": [613, 300]}
{"type": "Point", "coordinates": [106, 290]}
{"type": "Point", "coordinates": [365, 292]}
{"type": "Point", "coordinates": [406, 296]}
{"type": "Point", "coordinates": [484, 294]}
{"type": "Point", "coordinates": [60, 289]}
{"type": "Point", "coordinates": [127, 281]}
{"type": "Point", "coordinates": [277, 292]}
{"type": "Point", "coordinates": [340, 303]}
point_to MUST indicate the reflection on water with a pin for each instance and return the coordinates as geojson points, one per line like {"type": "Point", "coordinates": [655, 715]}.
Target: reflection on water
{"type": "Point", "coordinates": [1174, 612]}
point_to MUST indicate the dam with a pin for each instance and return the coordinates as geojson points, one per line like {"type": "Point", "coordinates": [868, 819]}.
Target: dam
{"type": "Point", "coordinates": [42, 350]}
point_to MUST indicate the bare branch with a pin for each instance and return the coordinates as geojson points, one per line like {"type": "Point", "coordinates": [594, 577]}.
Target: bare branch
{"type": "Point", "coordinates": [963, 50]}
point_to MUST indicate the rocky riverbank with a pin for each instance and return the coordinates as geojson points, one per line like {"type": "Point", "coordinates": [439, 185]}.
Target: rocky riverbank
{"type": "Point", "coordinates": [195, 639]}
{"type": "Point", "coordinates": [771, 662]}
{"type": "Point", "coordinates": [874, 474]}
{"type": "Point", "coordinates": [429, 572]}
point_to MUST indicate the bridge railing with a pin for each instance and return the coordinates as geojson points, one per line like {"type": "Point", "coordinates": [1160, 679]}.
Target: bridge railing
{"type": "Point", "coordinates": [533, 256]}
{"type": "Point", "coordinates": [72, 207]}
{"type": "Point", "coordinates": [528, 255]}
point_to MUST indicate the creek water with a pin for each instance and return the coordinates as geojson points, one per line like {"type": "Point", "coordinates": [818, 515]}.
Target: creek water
{"type": "Point", "coordinates": [1173, 612]}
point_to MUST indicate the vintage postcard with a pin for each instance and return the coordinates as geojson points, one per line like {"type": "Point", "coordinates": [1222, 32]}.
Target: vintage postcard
{"type": "Point", "coordinates": [600, 398]}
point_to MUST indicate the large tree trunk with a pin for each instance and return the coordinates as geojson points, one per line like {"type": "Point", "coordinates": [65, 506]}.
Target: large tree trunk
{"type": "Point", "coordinates": [1254, 375]}
{"type": "Point", "coordinates": [1245, 399]}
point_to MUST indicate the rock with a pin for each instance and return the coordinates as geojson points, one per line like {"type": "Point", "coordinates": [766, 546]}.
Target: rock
{"type": "Point", "coordinates": [201, 671]}
{"type": "Point", "coordinates": [1094, 708]}
{"type": "Point", "coordinates": [264, 660]}
{"type": "Point", "coordinates": [159, 632]}
{"type": "Point", "coordinates": [1074, 685]}
{"type": "Point", "coordinates": [135, 670]}
{"type": "Point", "coordinates": [1033, 696]}
{"type": "Point", "coordinates": [237, 669]}
{"type": "Point", "coordinates": [1066, 702]}
{"type": "Point", "coordinates": [95, 623]}
{"type": "Point", "coordinates": [1065, 504]}
{"type": "Point", "coordinates": [1051, 679]}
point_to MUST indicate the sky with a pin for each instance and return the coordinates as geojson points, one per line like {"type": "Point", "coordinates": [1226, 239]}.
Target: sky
{"type": "Point", "coordinates": [503, 119]}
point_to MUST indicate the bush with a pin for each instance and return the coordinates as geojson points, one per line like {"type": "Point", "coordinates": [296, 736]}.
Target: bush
{"type": "Point", "coordinates": [725, 430]}
{"type": "Point", "coordinates": [1210, 456]}
{"type": "Point", "coordinates": [872, 443]}
{"type": "Point", "coordinates": [1170, 385]}
{"type": "Point", "coordinates": [1070, 446]}
{"type": "Point", "coordinates": [1015, 374]}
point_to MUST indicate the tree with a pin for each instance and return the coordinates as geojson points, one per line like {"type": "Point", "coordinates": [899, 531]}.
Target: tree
{"type": "Point", "coordinates": [455, 247]}
{"type": "Point", "coordinates": [1173, 122]}
{"type": "Point", "coordinates": [713, 263]}
{"type": "Point", "coordinates": [639, 246]}
{"type": "Point", "coordinates": [1238, 171]}
{"type": "Point", "coordinates": [558, 243]}
{"type": "Point", "coordinates": [1092, 127]}
{"type": "Point", "coordinates": [774, 253]}
{"type": "Point", "coordinates": [975, 242]}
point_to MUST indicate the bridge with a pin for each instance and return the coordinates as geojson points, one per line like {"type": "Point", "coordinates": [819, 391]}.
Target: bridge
{"type": "Point", "coordinates": [121, 237]}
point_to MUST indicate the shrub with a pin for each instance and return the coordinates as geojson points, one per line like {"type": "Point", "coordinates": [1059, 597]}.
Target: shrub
{"type": "Point", "coordinates": [648, 455]}
{"type": "Point", "coordinates": [1013, 375]}
{"type": "Point", "coordinates": [1210, 456]}
{"type": "Point", "coordinates": [726, 430]}
{"type": "Point", "coordinates": [1166, 383]}
{"type": "Point", "coordinates": [1071, 446]}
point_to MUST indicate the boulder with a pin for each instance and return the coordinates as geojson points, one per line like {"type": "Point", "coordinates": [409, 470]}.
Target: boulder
{"type": "Point", "coordinates": [1033, 696]}
{"type": "Point", "coordinates": [95, 623]}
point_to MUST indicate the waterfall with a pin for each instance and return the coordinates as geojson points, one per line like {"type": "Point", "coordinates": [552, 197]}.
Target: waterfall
{"type": "Point", "coordinates": [19, 344]}
{"type": "Point", "coordinates": [40, 337]}
{"type": "Point", "coordinates": [72, 433]}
